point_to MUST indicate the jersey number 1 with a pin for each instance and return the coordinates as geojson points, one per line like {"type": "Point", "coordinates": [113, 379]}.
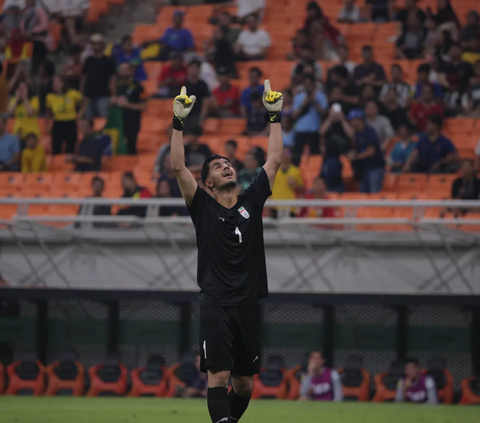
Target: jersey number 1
{"type": "Point", "coordinates": [237, 232]}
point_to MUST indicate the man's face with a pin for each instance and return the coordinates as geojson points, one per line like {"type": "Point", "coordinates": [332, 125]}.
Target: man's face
{"type": "Point", "coordinates": [177, 20]}
{"type": "Point", "coordinates": [250, 162]}
{"type": "Point", "coordinates": [128, 183]}
{"type": "Point", "coordinates": [193, 71]}
{"type": "Point", "coordinates": [466, 169]}
{"type": "Point", "coordinates": [98, 47]}
{"type": "Point", "coordinates": [343, 54]}
{"type": "Point", "coordinates": [125, 71]}
{"type": "Point", "coordinates": [357, 124]}
{"type": "Point", "coordinates": [163, 189]}
{"type": "Point", "coordinates": [396, 73]}
{"type": "Point", "coordinates": [431, 128]}
{"type": "Point", "coordinates": [127, 45]}
{"type": "Point", "coordinates": [225, 19]}
{"type": "Point", "coordinates": [222, 175]}
{"type": "Point", "coordinates": [230, 150]}
{"type": "Point", "coordinates": [254, 77]}
{"type": "Point", "coordinates": [86, 128]}
{"type": "Point", "coordinates": [391, 97]}
{"type": "Point", "coordinates": [177, 63]}
{"type": "Point", "coordinates": [412, 371]}
{"type": "Point", "coordinates": [455, 52]}
{"type": "Point", "coordinates": [316, 360]}
{"type": "Point", "coordinates": [252, 23]}
{"type": "Point", "coordinates": [367, 55]}
{"type": "Point", "coordinates": [309, 85]}
{"type": "Point", "coordinates": [371, 110]}
{"type": "Point", "coordinates": [319, 188]}
{"type": "Point", "coordinates": [223, 79]}
{"type": "Point", "coordinates": [97, 188]}
{"type": "Point", "coordinates": [307, 54]}
{"type": "Point", "coordinates": [31, 142]}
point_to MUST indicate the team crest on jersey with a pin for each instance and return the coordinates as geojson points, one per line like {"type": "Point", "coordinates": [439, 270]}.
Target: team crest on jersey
{"type": "Point", "coordinates": [243, 212]}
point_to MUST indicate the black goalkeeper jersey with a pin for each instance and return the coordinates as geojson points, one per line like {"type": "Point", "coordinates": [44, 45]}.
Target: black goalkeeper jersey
{"type": "Point", "coordinates": [231, 253]}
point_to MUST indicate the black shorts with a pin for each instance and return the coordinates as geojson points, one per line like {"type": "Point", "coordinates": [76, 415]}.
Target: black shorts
{"type": "Point", "coordinates": [229, 339]}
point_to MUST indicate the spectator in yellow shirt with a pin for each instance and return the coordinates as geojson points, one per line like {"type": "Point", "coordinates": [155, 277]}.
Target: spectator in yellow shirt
{"type": "Point", "coordinates": [33, 155]}
{"type": "Point", "coordinates": [62, 107]}
{"type": "Point", "coordinates": [25, 106]}
{"type": "Point", "coordinates": [288, 183]}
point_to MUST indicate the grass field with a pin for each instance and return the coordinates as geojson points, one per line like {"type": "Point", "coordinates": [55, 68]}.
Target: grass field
{"type": "Point", "coordinates": [151, 410]}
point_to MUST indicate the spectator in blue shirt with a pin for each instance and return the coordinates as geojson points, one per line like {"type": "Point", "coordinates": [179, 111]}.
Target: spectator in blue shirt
{"type": "Point", "coordinates": [434, 152]}
{"type": "Point", "coordinates": [367, 157]}
{"type": "Point", "coordinates": [9, 149]}
{"type": "Point", "coordinates": [308, 108]}
{"type": "Point", "coordinates": [402, 149]}
{"type": "Point", "coordinates": [176, 38]}
{"type": "Point", "coordinates": [254, 76]}
{"type": "Point", "coordinates": [126, 53]}
{"type": "Point", "coordinates": [423, 73]}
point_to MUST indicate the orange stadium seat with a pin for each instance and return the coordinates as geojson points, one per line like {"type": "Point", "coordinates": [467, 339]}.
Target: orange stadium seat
{"type": "Point", "coordinates": [180, 373]}
{"type": "Point", "coordinates": [355, 380]}
{"type": "Point", "coordinates": [470, 391]}
{"type": "Point", "coordinates": [436, 369]}
{"type": "Point", "coordinates": [386, 382]}
{"type": "Point", "coordinates": [26, 376]}
{"type": "Point", "coordinates": [293, 377]}
{"type": "Point", "coordinates": [272, 381]}
{"type": "Point", "coordinates": [108, 378]}
{"type": "Point", "coordinates": [150, 380]}
{"type": "Point", "coordinates": [66, 376]}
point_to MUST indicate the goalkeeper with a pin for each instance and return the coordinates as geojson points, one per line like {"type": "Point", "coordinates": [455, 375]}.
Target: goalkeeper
{"type": "Point", "coordinates": [231, 273]}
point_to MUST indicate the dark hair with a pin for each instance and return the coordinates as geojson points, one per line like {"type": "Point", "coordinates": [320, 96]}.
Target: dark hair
{"type": "Point", "coordinates": [48, 68]}
{"type": "Point", "coordinates": [89, 121]}
{"type": "Point", "coordinates": [98, 179]}
{"type": "Point", "coordinates": [255, 96]}
{"type": "Point", "coordinates": [126, 38]}
{"type": "Point", "coordinates": [424, 68]}
{"type": "Point", "coordinates": [257, 70]}
{"type": "Point", "coordinates": [340, 71]}
{"type": "Point", "coordinates": [193, 130]}
{"type": "Point", "coordinates": [307, 47]}
{"type": "Point", "coordinates": [313, 5]}
{"type": "Point", "coordinates": [128, 174]}
{"type": "Point", "coordinates": [195, 62]}
{"type": "Point", "coordinates": [233, 143]}
{"type": "Point", "coordinates": [436, 120]}
{"type": "Point", "coordinates": [64, 82]}
{"type": "Point", "coordinates": [411, 360]}
{"type": "Point", "coordinates": [367, 48]}
{"type": "Point", "coordinates": [253, 15]}
{"type": "Point", "coordinates": [310, 77]}
{"type": "Point", "coordinates": [75, 49]}
{"type": "Point", "coordinates": [206, 165]}
{"type": "Point", "coordinates": [30, 135]}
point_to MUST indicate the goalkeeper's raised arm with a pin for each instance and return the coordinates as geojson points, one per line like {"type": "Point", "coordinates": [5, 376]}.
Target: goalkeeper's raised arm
{"type": "Point", "coordinates": [273, 102]}
{"type": "Point", "coordinates": [182, 106]}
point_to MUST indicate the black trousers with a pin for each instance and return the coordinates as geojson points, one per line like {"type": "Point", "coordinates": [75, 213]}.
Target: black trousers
{"type": "Point", "coordinates": [64, 131]}
{"type": "Point", "coordinates": [38, 56]}
{"type": "Point", "coordinates": [302, 138]}
{"type": "Point", "coordinates": [131, 130]}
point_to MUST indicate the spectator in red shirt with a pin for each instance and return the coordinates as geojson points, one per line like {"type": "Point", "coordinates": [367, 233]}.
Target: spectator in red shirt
{"type": "Point", "coordinates": [226, 97]}
{"type": "Point", "coordinates": [318, 192]}
{"type": "Point", "coordinates": [172, 77]}
{"type": "Point", "coordinates": [427, 106]}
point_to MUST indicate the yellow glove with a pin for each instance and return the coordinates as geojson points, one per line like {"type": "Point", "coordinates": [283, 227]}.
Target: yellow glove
{"type": "Point", "coordinates": [273, 102]}
{"type": "Point", "coordinates": [182, 106]}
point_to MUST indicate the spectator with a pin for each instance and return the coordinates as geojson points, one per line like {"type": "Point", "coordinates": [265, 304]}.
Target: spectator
{"type": "Point", "coordinates": [72, 71]}
{"type": "Point", "coordinates": [367, 93]}
{"type": "Point", "coordinates": [473, 106]}
{"type": "Point", "coordinates": [369, 72]}
{"type": "Point", "coordinates": [20, 75]}
{"type": "Point", "coordinates": [167, 173]}
{"type": "Point", "coordinates": [391, 110]}
{"type": "Point", "coordinates": [45, 86]}
{"type": "Point", "coordinates": [432, 39]}
{"type": "Point", "coordinates": [318, 192]}
{"type": "Point", "coordinates": [176, 38]}
{"type": "Point", "coordinates": [434, 152]}
{"type": "Point", "coordinates": [321, 383]}
{"type": "Point", "coordinates": [349, 13]}
{"type": "Point", "coordinates": [259, 153]}
{"type": "Point", "coordinates": [308, 108]}
{"type": "Point", "coordinates": [132, 102]}
{"type": "Point", "coordinates": [62, 107]}
{"type": "Point", "coordinates": [132, 190]}
{"type": "Point", "coordinates": [164, 190]}
{"type": "Point", "coordinates": [471, 53]}
{"type": "Point", "coordinates": [91, 149]}
{"type": "Point", "coordinates": [226, 97]}
{"type": "Point", "coordinates": [74, 14]}
{"type": "Point", "coordinates": [224, 53]}
{"type": "Point", "coordinates": [298, 86]}
{"type": "Point", "coordinates": [288, 184]}
{"type": "Point", "coordinates": [367, 157]}
{"type": "Point", "coordinates": [248, 7]}
{"type": "Point", "coordinates": [225, 22]}
{"type": "Point", "coordinates": [3, 92]}
{"type": "Point", "coordinates": [12, 16]}
{"type": "Point", "coordinates": [172, 77]}
{"type": "Point", "coordinates": [446, 17]}
{"type": "Point", "coordinates": [306, 59]}
{"type": "Point", "coordinates": [421, 110]}
{"type": "Point", "coordinates": [300, 39]}
{"type": "Point", "coordinates": [401, 88]}
{"type": "Point", "coordinates": [126, 53]}
{"type": "Point", "coordinates": [411, 8]}
{"type": "Point", "coordinates": [465, 187]}
{"type": "Point", "coordinates": [9, 148]}
{"type": "Point", "coordinates": [423, 75]}
{"type": "Point", "coordinates": [472, 28]}
{"type": "Point", "coordinates": [455, 74]}
{"type": "Point", "coordinates": [33, 155]}
{"type": "Point", "coordinates": [256, 123]}
{"type": "Point", "coordinates": [195, 152]}
{"type": "Point", "coordinates": [402, 149]}
{"type": "Point", "coordinates": [208, 72]}
{"type": "Point", "coordinates": [343, 54]}
{"type": "Point", "coordinates": [24, 106]}
{"type": "Point", "coordinates": [347, 95]}
{"type": "Point", "coordinates": [231, 154]}
{"type": "Point", "coordinates": [288, 131]}
{"type": "Point", "coordinates": [323, 35]}
{"type": "Point", "coordinates": [445, 41]}
{"type": "Point", "coordinates": [197, 383]}
{"type": "Point", "coordinates": [381, 124]}
{"type": "Point", "coordinates": [250, 171]}
{"type": "Point", "coordinates": [197, 87]}
{"type": "Point", "coordinates": [253, 42]}
{"type": "Point", "coordinates": [380, 10]}
{"type": "Point", "coordinates": [99, 80]}
{"type": "Point", "coordinates": [98, 187]}
{"type": "Point", "coordinates": [254, 77]}
{"type": "Point", "coordinates": [411, 44]}
{"type": "Point", "coordinates": [34, 26]}
{"type": "Point", "coordinates": [416, 387]}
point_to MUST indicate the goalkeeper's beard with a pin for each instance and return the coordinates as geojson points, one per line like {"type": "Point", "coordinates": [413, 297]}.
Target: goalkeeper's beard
{"type": "Point", "coordinates": [228, 186]}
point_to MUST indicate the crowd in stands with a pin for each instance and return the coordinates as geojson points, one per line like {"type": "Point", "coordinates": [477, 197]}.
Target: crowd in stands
{"type": "Point", "coordinates": [357, 113]}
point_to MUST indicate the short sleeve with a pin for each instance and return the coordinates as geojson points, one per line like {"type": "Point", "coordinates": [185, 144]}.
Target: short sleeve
{"type": "Point", "coordinates": [449, 147]}
{"type": "Point", "coordinates": [267, 40]}
{"type": "Point", "coordinates": [76, 95]}
{"type": "Point", "coordinates": [241, 38]}
{"type": "Point", "coordinates": [260, 189]}
{"type": "Point", "coordinates": [199, 202]}
{"type": "Point", "coordinates": [322, 100]}
{"type": "Point", "coordinates": [189, 40]}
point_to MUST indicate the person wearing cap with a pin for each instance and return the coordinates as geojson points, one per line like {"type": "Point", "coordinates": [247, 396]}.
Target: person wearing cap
{"type": "Point", "coordinates": [176, 38]}
{"type": "Point", "coordinates": [226, 97]}
{"type": "Point", "coordinates": [172, 76]}
{"type": "Point", "coordinates": [9, 148]}
{"type": "Point", "coordinates": [99, 80]}
{"type": "Point", "coordinates": [126, 53]}
{"type": "Point", "coordinates": [367, 158]}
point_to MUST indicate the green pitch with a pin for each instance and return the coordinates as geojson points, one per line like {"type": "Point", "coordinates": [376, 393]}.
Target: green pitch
{"type": "Point", "coordinates": [152, 410]}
